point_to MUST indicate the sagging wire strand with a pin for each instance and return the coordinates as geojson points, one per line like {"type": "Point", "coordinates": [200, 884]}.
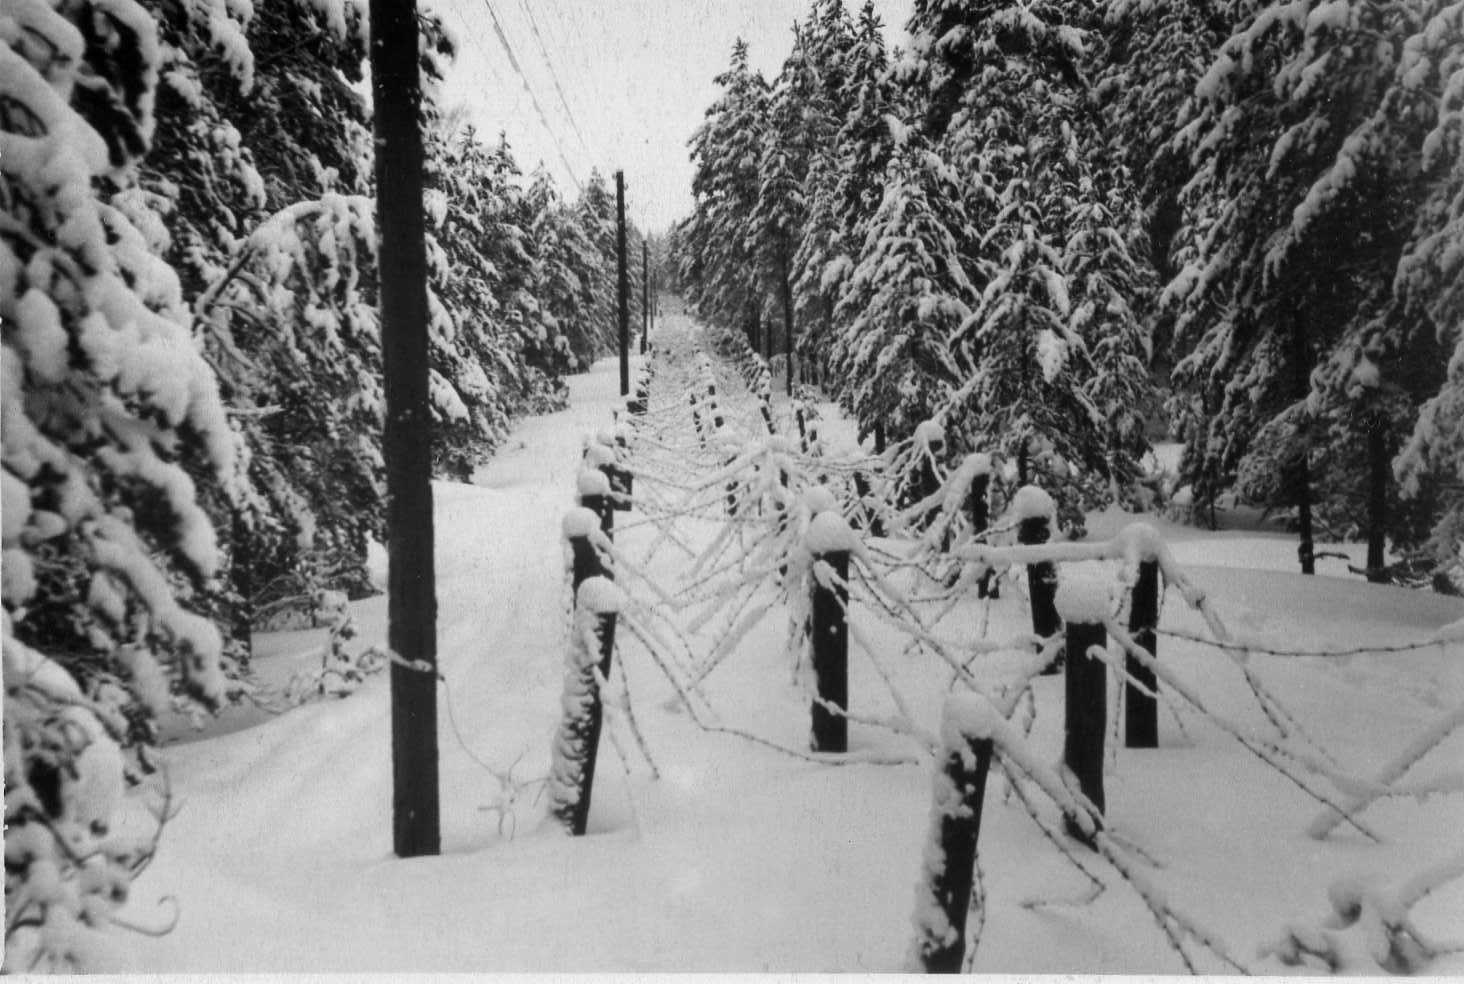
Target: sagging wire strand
{"type": "Point", "coordinates": [755, 563]}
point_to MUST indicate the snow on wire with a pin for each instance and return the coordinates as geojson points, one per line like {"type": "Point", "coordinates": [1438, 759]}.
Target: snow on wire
{"type": "Point", "coordinates": [733, 488]}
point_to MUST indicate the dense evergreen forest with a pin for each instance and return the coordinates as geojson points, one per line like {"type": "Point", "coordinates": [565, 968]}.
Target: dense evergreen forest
{"type": "Point", "coordinates": [1061, 227]}
{"type": "Point", "coordinates": [192, 370]}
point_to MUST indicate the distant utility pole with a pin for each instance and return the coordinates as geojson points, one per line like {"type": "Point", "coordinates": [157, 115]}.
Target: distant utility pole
{"type": "Point", "coordinates": [407, 442]}
{"type": "Point", "coordinates": [624, 285]}
{"type": "Point", "coordinates": [787, 285]}
{"type": "Point", "coordinates": [645, 293]}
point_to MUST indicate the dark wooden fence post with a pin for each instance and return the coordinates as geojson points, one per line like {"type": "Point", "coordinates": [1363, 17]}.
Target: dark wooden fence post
{"type": "Point", "coordinates": [642, 398]}
{"type": "Point", "coordinates": [930, 442]}
{"type": "Point", "coordinates": [978, 502]}
{"type": "Point", "coordinates": [830, 540]}
{"type": "Point", "coordinates": [1083, 603]}
{"type": "Point", "coordinates": [943, 895]}
{"type": "Point", "coordinates": [622, 482]}
{"type": "Point", "coordinates": [576, 745]}
{"type": "Point", "coordinates": [1141, 711]}
{"type": "Point", "coordinates": [696, 419]}
{"type": "Point", "coordinates": [585, 562]}
{"type": "Point", "coordinates": [593, 486]}
{"type": "Point", "coordinates": [1035, 512]}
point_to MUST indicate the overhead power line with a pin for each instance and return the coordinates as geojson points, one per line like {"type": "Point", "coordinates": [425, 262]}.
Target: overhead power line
{"type": "Point", "coordinates": [554, 76]}
{"type": "Point", "coordinates": [533, 97]}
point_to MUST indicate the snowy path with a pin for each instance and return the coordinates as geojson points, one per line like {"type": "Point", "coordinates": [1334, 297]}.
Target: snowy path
{"type": "Point", "coordinates": [740, 858]}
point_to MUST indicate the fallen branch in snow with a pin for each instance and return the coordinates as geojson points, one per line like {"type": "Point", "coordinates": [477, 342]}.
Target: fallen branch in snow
{"type": "Point", "coordinates": [1370, 929]}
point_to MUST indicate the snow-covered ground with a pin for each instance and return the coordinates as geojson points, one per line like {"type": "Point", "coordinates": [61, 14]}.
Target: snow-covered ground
{"type": "Point", "coordinates": [740, 858]}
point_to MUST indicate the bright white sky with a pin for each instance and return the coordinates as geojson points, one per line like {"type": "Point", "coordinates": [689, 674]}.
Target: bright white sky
{"type": "Point", "coordinates": [636, 77]}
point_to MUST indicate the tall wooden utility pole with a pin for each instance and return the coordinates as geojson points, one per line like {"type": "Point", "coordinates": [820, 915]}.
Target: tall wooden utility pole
{"type": "Point", "coordinates": [624, 285]}
{"type": "Point", "coordinates": [407, 444]}
{"type": "Point", "coordinates": [645, 293]}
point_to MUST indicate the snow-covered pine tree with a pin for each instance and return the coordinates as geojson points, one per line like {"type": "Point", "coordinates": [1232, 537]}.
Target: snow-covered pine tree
{"type": "Point", "coordinates": [726, 149]}
{"type": "Point", "coordinates": [1307, 138]}
{"type": "Point", "coordinates": [797, 124]}
{"type": "Point", "coordinates": [485, 323]}
{"type": "Point", "coordinates": [564, 254]}
{"type": "Point", "coordinates": [596, 214]}
{"type": "Point", "coordinates": [282, 126]}
{"type": "Point", "coordinates": [850, 187]}
{"type": "Point", "coordinates": [814, 296]}
{"type": "Point", "coordinates": [822, 261]}
{"type": "Point", "coordinates": [1153, 54]}
{"type": "Point", "coordinates": [1112, 291]}
{"type": "Point", "coordinates": [905, 298]}
{"type": "Point", "coordinates": [104, 540]}
{"type": "Point", "coordinates": [1052, 234]}
{"type": "Point", "coordinates": [1428, 288]}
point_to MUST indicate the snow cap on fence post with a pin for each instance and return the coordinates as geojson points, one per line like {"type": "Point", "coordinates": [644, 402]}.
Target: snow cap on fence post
{"type": "Point", "coordinates": [591, 482]}
{"type": "Point", "coordinates": [829, 532]}
{"type": "Point", "coordinates": [578, 522]}
{"type": "Point", "coordinates": [594, 490]}
{"type": "Point", "coordinates": [1084, 599]}
{"type": "Point", "coordinates": [1140, 542]}
{"type": "Point", "coordinates": [929, 434]}
{"type": "Point", "coordinates": [1035, 513]}
{"type": "Point", "coordinates": [579, 526]}
{"type": "Point", "coordinates": [599, 453]}
{"type": "Point", "coordinates": [974, 475]}
{"type": "Point", "coordinates": [1031, 502]}
{"type": "Point", "coordinates": [820, 499]}
{"type": "Point", "coordinates": [600, 596]}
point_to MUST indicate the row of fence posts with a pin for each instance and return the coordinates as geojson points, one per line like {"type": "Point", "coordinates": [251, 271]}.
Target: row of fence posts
{"type": "Point", "coordinates": [706, 409]}
{"type": "Point", "coordinates": [944, 894]}
{"type": "Point", "coordinates": [947, 882]}
{"type": "Point", "coordinates": [603, 487]}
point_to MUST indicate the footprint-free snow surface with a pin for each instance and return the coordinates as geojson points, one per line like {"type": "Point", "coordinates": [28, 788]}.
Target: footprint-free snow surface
{"type": "Point", "coordinates": [739, 856]}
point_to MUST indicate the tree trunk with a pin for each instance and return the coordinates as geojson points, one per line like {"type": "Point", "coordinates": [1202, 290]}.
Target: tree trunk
{"type": "Point", "coordinates": [1306, 549]}
{"type": "Point", "coordinates": [1379, 457]}
{"type": "Point", "coordinates": [240, 555]}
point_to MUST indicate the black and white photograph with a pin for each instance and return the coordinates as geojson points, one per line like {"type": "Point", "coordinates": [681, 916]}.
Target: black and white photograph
{"type": "Point", "coordinates": [745, 486]}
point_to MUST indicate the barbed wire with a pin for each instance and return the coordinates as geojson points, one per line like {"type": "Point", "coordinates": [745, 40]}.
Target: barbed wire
{"type": "Point", "coordinates": [1252, 646]}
